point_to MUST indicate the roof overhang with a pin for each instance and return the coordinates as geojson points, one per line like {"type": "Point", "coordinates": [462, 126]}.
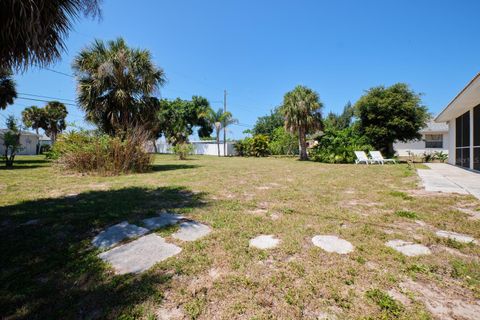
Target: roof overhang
{"type": "Point", "coordinates": [468, 98]}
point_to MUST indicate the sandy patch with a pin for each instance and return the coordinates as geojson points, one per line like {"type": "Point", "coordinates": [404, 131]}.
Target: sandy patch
{"type": "Point", "coordinates": [444, 303]}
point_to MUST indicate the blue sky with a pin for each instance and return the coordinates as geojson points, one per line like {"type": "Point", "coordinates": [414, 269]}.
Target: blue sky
{"type": "Point", "coordinates": [258, 50]}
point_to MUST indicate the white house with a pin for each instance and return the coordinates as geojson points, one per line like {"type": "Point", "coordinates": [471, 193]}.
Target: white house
{"type": "Point", "coordinates": [434, 138]}
{"type": "Point", "coordinates": [200, 148]}
{"type": "Point", "coordinates": [28, 141]}
{"type": "Point", "coordinates": [462, 115]}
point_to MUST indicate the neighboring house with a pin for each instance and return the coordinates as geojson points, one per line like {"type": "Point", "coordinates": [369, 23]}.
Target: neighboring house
{"type": "Point", "coordinates": [463, 117]}
{"type": "Point", "coordinates": [200, 148]}
{"type": "Point", "coordinates": [28, 141]}
{"type": "Point", "coordinates": [434, 138]}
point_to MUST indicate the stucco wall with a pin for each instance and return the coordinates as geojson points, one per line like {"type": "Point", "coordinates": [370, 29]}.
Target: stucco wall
{"type": "Point", "coordinates": [417, 147]}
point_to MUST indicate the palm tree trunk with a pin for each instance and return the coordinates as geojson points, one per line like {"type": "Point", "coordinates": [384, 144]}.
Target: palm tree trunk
{"type": "Point", "coordinates": [37, 149]}
{"type": "Point", "coordinates": [218, 142]}
{"type": "Point", "coordinates": [303, 144]}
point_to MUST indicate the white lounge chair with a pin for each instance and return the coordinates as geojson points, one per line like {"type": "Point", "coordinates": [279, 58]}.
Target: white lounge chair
{"type": "Point", "coordinates": [377, 157]}
{"type": "Point", "coordinates": [362, 157]}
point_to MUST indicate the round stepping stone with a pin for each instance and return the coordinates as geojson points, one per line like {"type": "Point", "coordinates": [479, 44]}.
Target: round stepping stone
{"type": "Point", "coordinates": [191, 231]}
{"type": "Point", "coordinates": [333, 244]}
{"type": "Point", "coordinates": [264, 242]}
{"type": "Point", "coordinates": [455, 236]}
{"type": "Point", "coordinates": [409, 249]}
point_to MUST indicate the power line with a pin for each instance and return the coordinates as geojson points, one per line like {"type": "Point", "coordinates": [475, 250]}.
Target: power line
{"type": "Point", "coordinates": [48, 97]}
{"type": "Point", "coordinates": [59, 72]}
{"type": "Point", "coordinates": [42, 100]}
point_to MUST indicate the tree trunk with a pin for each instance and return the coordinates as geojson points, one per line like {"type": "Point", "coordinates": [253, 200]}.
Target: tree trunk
{"type": "Point", "coordinates": [218, 142]}
{"type": "Point", "coordinates": [390, 151]}
{"type": "Point", "coordinates": [38, 142]}
{"type": "Point", "coordinates": [155, 149]}
{"type": "Point", "coordinates": [303, 144]}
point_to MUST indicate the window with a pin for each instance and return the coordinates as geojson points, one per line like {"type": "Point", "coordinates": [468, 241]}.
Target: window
{"type": "Point", "coordinates": [434, 141]}
{"type": "Point", "coordinates": [462, 140]}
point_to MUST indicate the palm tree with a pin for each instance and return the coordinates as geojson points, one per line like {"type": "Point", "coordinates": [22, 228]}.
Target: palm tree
{"type": "Point", "coordinates": [301, 109]}
{"type": "Point", "coordinates": [113, 83]}
{"type": "Point", "coordinates": [55, 114]}
{"type": "Point", "coordinates": [219, 120]}
{"type": "Point", "coordinates": [7, 88]}
{"type": "Point", "coordinates": [34, 117]}
{"type": "Point", "coordinates": [33, 30]}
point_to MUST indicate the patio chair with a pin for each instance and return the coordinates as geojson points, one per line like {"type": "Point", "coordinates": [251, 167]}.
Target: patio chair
{"type": "Point", "coordinates": [362, 157]}
{"type": "Point", "coordinates": [377, 157]}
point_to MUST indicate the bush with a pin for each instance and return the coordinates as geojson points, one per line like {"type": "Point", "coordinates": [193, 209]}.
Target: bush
{"type": "Point", "coordinates": [338, 146]}
{"type": "Point", "coordinates": [86, 152]}
{"type": "Point", "coordinates": [283, 142]}
{"type": "Point", "coordinates": [182, 150]}
{"type": "Point", "coordinates": [256, 146]}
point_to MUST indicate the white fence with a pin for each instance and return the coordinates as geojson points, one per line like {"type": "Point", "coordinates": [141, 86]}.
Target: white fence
{"type": "Point", "coordinates": [201, 148]}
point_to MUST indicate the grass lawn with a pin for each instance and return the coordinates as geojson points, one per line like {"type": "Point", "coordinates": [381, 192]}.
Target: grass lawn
{"type": "Point", "coordinates": [49, 270]}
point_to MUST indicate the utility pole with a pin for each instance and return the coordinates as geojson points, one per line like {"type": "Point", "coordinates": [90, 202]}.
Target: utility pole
{"type": "Point", "coordinates": [224, 127]}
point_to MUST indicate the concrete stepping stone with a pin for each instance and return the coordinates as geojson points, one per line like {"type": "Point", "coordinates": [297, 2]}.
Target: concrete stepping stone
{"type": "Point", "coordinates": [114, 234]}
{"type": "Point", "coordinates": [139, 255]}
{"type": "Point", "coordinates": [191, 231]}
{"type": "Point", "coordinates": [409, 249]}
{"type": "Point", "coordinates": [333, 244]}
{"type": "Point", "coordinates": [264, 242]}
{"type": "Point", "coordinates": [455, 236]}
{"type": "Point", "coordinates": [163, 220]}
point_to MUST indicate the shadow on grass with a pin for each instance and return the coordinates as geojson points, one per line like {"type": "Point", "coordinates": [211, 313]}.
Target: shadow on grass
{"type": "Point", "coordinates": [25, 163]}
{"type": "Point", "coordinates": [168, 167]}
{"type": "Point", "coordinates": [49, 270]}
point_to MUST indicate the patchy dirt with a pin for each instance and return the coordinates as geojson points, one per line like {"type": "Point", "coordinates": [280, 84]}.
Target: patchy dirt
{"type": "Point", "coordinates": [444, 303]}
{"type": "Point", "coordinates": [356, 203]}
{"type": "Point", "coordinates": [472, 212]}
{"type": "Point", "coordinates": [170, 314]}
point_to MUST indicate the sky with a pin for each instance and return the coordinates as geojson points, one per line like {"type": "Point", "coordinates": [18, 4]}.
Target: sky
{"type": "Point", "coordinates": [259, 50]}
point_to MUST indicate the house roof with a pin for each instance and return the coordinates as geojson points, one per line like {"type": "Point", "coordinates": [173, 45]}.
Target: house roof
{"type": "Point", "coordinates": [25, 133]}
{"type": "Point", "coordinates": [433, 126]}
{"type": "Point", "coordinates": [466, 99]}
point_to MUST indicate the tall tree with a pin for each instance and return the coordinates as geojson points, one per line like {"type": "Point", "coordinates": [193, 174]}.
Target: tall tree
{"type": "Point", "coordinates": [54, 123]}
{"type": "Point", "coordinates": [34, 117]}
{"type": "Point", "coordinates": [387, 114]}
{"type": "Point", "coordinates": [11, 141]}
{"type": "Point", "coordinates": [113, 83]}
{"type": "Point", "coordinates": [341, 121]}
{"type": "Point", "coordinates": [33, 31]}
{"type": "Point", "coordinates": [267, 124]}
{"type": "Point", "coordinates": [220, 120]}
{"type": "Point", "coordinates": [302, 111]}
{"type": "Point", "coordinates": [8, 91]}
{"type": "Point", "coordinates": [178, 117]}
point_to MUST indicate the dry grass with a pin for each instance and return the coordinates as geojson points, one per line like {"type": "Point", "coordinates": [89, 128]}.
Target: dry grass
{"type": "Point", "coordinates": [220, 277]}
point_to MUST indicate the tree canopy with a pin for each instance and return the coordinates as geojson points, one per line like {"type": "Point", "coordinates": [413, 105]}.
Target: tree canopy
{"type": "Point", "coordinates": [387, 114]}
{"type": "Point", "coordinates": [302, 111]}
{"type": "Point", "coordinates": [51, 118]}
{"type": "Point", "coordinates": [8, 91]}
{"type": "Point", "coordinates": [115, 84]}
{"type": "Point", "coordinates": [267, 124]}
{"type": "Point", "coordinates": [341, 121]}
{"type": "Point", "coordinates": [177, 118]}
{"type": "Point", "coordinates": [33, 31]}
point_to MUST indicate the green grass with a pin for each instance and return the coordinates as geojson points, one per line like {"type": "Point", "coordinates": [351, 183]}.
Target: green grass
{"type": "Point", "coordinates": [392, 308]}
{"type": "Point", "coordinates": [406, 214]}
{"type": "Point", "coordinates": [49, 270]}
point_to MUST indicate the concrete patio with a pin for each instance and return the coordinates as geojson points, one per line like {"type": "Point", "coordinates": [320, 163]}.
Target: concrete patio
{"type": "Point", "coordinates": [443, 177]}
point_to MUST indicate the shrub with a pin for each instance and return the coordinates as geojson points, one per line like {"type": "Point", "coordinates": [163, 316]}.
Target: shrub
{"type": "Point", "coordinates": [86, 152]}
{"type": "Point", "coordinates": [338, 146]}
{"type": "Point", "coordinates": [182, 150]}
{"type": "Point", "coordinates": [256, 146]}
{"type": "Point", "coordinates": [283, 142]}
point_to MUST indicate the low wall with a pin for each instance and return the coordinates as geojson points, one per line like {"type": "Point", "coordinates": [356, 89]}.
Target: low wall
{"type": "Point", "coordinates": [201, 148]}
